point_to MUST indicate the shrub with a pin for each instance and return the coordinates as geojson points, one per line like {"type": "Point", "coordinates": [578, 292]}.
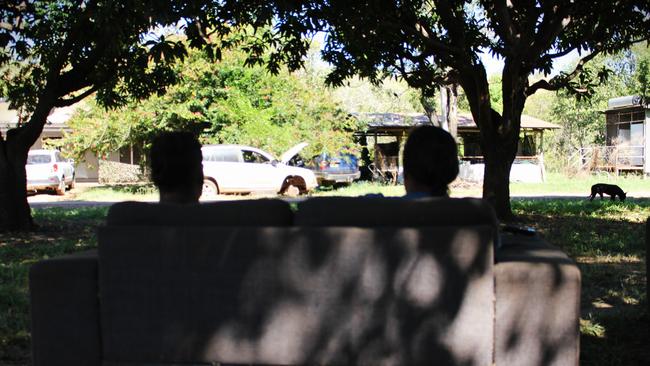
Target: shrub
{"type": "Point", "coordinates": [116, 172]}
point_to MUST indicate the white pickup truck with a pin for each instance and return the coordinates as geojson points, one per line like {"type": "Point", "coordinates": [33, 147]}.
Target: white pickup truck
{"type": "Point", "coordinates": [48, 170]}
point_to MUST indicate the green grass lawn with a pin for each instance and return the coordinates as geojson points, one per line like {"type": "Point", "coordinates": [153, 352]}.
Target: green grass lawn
{"type": "Point", "coordinates": [605, 238]}
{"type": "Point", "coordinates": [113, 193]}
{"type": "Point", "coordinates": [558, 184]}
{"type": "Point", "coordinates": [555, 185]}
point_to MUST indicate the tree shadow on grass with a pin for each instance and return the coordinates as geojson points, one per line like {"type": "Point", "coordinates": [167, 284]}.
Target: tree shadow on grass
{"type": "Point", "coordinates": [607, 240]}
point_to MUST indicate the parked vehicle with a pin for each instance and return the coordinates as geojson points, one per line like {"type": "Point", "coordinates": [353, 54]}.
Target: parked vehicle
{"type": "Point", "coordinates": [245, 169]}
{"type": "Point", "coordinates": [340, 169]}
{"type": "Point", "coordinates": [48, 170]}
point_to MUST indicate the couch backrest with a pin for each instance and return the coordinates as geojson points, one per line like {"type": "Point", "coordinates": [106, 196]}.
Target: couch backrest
{"type": "Point", "coordinates": [260, 212]}
{"type": "Point", "coordinates": [393, 211]}
{"type": "Point", "coordinates": [297, 295]}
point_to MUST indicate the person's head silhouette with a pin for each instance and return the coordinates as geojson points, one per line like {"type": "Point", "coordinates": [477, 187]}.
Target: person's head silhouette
{"type": "Point", "coordinates": [430, 161]}
{"type": "Point", "coordinates": [176, 167]}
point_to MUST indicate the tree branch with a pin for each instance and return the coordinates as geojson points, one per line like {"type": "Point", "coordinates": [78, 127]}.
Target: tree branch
{"type": "Point", "coordinates": [63, 102]}
{"type": "Point", "coordinates": [464, 59]}
{"type": "Point", "coordinates": [560, 54]}
{"type": "Point", "coordinates": [507, 27]}
{"type": "Point", "coordinates": [561, 80]}
{"type": "Point", "coordinates": [201, 31]}
{"type": "Point", "coordinates": [6, 26]}
{"type": "Point", "coordinates": [550, 28]}
{"type": "Point", "coordinates": [28, 133]}
{"type": "Point", "coordinates": [449, 20]}
{"type": "Point", "coordinates": [424, 33]}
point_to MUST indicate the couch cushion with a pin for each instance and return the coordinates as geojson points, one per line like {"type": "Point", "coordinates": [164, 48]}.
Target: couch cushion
{"type": "Point", "coordinates": [267, 212]}
{"type": "Point", "coordinates": [393, 211]}
{"type": "Point", "coordinates": [301, 295]}
{"type": "Point", "coordinates": [64, 307]}
{"type": "Point", "coordinates": [537, 290]}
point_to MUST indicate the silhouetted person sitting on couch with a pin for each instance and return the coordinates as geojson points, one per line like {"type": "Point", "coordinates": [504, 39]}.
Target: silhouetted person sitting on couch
{"type": "Point", "coordinates": [176, 167]}
{"type": "Point", "coordinates": [430, 162]}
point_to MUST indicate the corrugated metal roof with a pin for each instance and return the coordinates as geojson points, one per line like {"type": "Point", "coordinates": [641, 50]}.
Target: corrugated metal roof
{"type": "Point", "coordinates": [465, 121]}
{"type": "Point", "coordinates": [55, 121]}
{"type": "Point", "coordinates": [624, 102]}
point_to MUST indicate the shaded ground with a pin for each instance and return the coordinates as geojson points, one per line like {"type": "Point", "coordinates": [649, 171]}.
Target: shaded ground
{"type": "Point", "coordinates": [607, 240]}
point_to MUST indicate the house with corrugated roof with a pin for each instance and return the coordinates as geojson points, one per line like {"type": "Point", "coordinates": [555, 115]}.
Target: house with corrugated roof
{"type": "Point", "coordinates": [54, 129]}
{"type": "Point", "coordinates": [626, 148]}
{"type": "Point", "coordinates": [389, 130]}
{"type": "Point", "coordinates": [627, 125]}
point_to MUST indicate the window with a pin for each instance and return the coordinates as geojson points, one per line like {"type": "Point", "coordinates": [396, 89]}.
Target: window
{"type": "Point", "coordinates": [38, 159]}
{"type": "Point", "coordinates": [612, 134]}
{"type": "Point", "coordinates": [131, 154]}
{"type": "Point", "coordinates": [227, 155]}
{"type": "Point", "coordinates": [625, 128]}
{"type": "Point", "coordinates": [624, 133]}
{"type": "Point", "coordinates": [636, 134]}
{"type": "Point", "coordinates": [254, 157]}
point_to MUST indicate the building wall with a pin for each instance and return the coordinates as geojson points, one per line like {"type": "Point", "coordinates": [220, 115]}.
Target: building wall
{"type": "Point", "coordinates": [624, 127]}
{"type": "Point", "coordinates": [88, 169]}
{"type": "Point", "coordinates": [646, 165]}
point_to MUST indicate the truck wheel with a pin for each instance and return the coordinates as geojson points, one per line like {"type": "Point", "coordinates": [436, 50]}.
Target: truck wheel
{"type": "Point", "coordinates": [60, 189]}
{"type": "Point", "coordinates": [293, 186]}
{"type": "Point", "coordinates": [210, 188]}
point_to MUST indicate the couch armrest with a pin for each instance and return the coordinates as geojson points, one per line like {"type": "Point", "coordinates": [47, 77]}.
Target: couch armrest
{"type": "Point", "coordinates": [65, 310]}
{"type": "Point", "coordinates": [537, 304]}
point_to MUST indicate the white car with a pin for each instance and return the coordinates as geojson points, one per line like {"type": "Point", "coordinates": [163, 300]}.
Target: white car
{"type": "Point", "coordinates": [245, 169]}
{"type": "Point", "coordinates": [47, 169]}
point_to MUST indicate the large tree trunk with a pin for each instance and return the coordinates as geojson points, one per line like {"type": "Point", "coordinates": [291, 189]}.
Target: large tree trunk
{"type": "Point", "coordinates": [453, 111]}
{"type": "Point", "coordinates": [499, 133]}
{"type": "Point", "coordinates": [499, 155]}
{"type": "Point", "coordinates": [14, 208]}
{"type": "Point", "coordinates": [501, 139]}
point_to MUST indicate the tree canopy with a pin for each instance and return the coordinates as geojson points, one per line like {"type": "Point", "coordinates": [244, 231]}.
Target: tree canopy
{"type": "Point", "coordinates": [56, 53]}
{"type": "Point", "coordinates": [62, 51]}
{"type": "Point", "coordinates": [581, 118]}
{"type": "Point", "coordinates": [433, 42]}
{"type": "Point", "coordinates": [222, 102]}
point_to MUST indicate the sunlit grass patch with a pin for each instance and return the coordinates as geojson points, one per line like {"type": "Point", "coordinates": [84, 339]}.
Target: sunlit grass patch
{"type": "Point", "coordinates": [362, 189]}
{"type": "Point", "coordinates": [141, 192]}
{"type": "Point", "coordinates": [592, 328]}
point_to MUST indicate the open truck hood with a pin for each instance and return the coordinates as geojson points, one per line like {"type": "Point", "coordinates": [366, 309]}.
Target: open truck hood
{"type": "Point", "coordinates": [289, 154]}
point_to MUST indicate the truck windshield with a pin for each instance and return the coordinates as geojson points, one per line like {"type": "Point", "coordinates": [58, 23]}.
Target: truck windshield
{"type": "Point", "coordinates": [38, 159]}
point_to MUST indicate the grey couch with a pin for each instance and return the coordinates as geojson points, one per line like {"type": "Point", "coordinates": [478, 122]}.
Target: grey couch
{"type": "Point", "coordinates": [343, 281]}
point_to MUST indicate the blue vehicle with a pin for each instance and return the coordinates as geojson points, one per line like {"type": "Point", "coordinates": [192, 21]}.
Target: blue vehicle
{"type": "Point", "coordinates": [341, 169]}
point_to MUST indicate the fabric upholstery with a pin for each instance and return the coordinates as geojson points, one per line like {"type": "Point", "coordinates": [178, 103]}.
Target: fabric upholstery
{"type": "Point", "coordinates": [269, 212]}
{"type": "Point", "coordinates": [391, 211]}
{"type": "Point", "coordinates": [297, 295]}
{"type": "Point", "coordinates": [537, 304]}
{"type": "Point", "coordinates": [361, 281]}
{"type": "Point", "coordinates": [65, 310]}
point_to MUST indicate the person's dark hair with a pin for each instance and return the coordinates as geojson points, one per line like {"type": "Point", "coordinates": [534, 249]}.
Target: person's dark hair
{"type": "Point", "coordinates": [176, 165]}
{"type": "Point", "coordinates": [431, 158]}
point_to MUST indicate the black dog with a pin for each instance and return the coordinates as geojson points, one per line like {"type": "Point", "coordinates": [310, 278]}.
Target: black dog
{"type": "Point", "coordinates": [609, 189]}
